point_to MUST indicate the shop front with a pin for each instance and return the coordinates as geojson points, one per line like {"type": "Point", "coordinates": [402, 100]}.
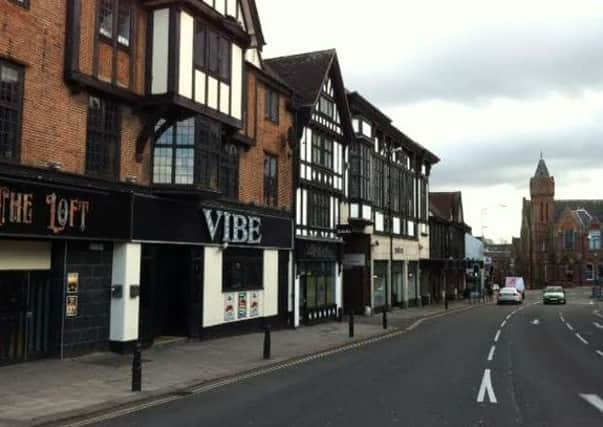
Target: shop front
{"type": "Point", "coordinates": [320, 279]}
{"type": "Point", "coordinates": [211, 269]}
{"type": "Point", "coordinates": [56, 255]}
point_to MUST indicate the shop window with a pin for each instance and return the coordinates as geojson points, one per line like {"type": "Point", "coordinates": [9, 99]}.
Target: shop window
{"type": "Point", "coordinates": [212, 53]}
{"type": "Point", "coordinates": [103, 136]}
{"type": "Point", "coordinates": [11, 110]}
{"type": "Point", "coordinates": [115, 20]}
{"type": "Point", "coordinates": [322, 151]}
{"type": "Point", "coordinates": [379, 281]}
{"type": "Point", "coordinates": [242, 269]}
{"type": "Point", "coordinates": [271, 180]}
{"type": "Point", "coordinates": [271, 105]}
{"type": "Point", "coordinates": [320, 285]}
{"type": "Point", "coordinates": [318, 210]}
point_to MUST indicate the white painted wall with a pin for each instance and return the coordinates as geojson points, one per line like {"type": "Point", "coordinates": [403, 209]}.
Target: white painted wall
{"type": "Point", "coordinates": [161, 30]}
{"type": "Point", "coordinates": [24, 255]}
{"type": "Point", "coordinates": [213, 297]}
{"type": "Point", "coordinates": [236, 82]}
{"type": "Point", "coordinates": [252, 56]}
{"type": "Point", "coordinates": [224, 98]}
{"type": "Point", "coordinates": [124, 310]}
{"type": "Point", "coordinates": [212, 93]}
{"type": "Point", "coordinates": [296, 301]}
{"type": "Point", "coordinates": [185, 70]}
{"type": "Point", "coordinates": [200, 93]}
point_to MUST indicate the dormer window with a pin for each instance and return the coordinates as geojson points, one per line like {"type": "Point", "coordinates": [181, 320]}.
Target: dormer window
{"type": "Point", "coordinates": [115, 20]}
{"type": "Point", "coordinates": [212, 53]}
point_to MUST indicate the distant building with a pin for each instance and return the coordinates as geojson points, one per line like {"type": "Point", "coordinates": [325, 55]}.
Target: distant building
{"type": "Point", "coordinates": [500, 263]}
{"type": "Point", "coordinates": [560, 239]}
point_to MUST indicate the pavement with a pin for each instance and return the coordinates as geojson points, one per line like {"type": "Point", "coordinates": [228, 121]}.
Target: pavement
{"type": "Point", "coordinates": [527, 365]}
{"type": "Point", "coordinates": [64, 391]}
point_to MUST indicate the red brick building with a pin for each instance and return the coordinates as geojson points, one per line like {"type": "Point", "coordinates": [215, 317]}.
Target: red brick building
{"type": "Point", "coordinates": [560, 239]}
{"type": "Point", "coordinates": [145, 174]}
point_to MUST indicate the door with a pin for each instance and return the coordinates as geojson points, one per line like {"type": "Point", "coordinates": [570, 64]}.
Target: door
{"type": "Point", "coordinates": [24, 316]}
{"type": "Point", "coordinates": [283, 288]}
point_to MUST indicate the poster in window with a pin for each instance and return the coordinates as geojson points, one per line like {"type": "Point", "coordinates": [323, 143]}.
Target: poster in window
{"type": "Point", "coordinates": [229, 308]}
{"type": "Point", "coordinates": [242, 305]}
{"type": "Point", "coordinates": [71, 306]}
{"type": "Point", "coordinates": [254, 307]}
{"type": "Point", "coordinates": [73, 283]}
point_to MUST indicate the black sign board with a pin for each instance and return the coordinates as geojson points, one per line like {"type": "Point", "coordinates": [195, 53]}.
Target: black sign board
{"type": "Point", "coordinates": [317, 251]}
{"type": "Point", "coordinates": [168, 220]}
{"type": "Point", "coordinates": [45, 210]}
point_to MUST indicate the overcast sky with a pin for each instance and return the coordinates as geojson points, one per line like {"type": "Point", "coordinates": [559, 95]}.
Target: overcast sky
{"type": "Point", "coordinates": [486, 85]}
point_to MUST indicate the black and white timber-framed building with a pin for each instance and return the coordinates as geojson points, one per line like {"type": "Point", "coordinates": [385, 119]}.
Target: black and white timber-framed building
{"type": "Point", "coordinates": [386, 220]}
{"type": "Point", "coordinates": [323, 130]}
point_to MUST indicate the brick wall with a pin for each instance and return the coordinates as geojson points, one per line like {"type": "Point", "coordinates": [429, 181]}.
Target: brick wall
{"type": "Point", "coordinates": [54, 118]}
{"type": "Point", "coordinates": [269, 138]}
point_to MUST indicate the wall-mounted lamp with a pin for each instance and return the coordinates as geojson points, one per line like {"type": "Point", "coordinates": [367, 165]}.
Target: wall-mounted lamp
{"type": "Point", "coordinates": [55, 166]}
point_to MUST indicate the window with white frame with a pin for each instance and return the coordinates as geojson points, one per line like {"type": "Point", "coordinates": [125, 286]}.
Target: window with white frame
{"type": "Point", "coordinates": [594, 240]}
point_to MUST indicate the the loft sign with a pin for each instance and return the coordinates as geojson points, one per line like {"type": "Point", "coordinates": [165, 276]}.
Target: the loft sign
{"type": "Point", "coordinates": [61, 213]}
{"type": "Point", "coordinates": [227, 227]}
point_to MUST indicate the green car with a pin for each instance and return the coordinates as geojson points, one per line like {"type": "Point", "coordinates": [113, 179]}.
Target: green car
{"type": "Point", "coordinates": [554, 295]}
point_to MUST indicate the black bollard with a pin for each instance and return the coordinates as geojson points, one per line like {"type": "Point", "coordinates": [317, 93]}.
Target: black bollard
{"type": "Point", "coordinates": [137, 368]}
{"type": "Point", "coordinates": [384, 318]}
{"type": "Point", "coordinates": [267, 342]}
{"type": "Point", "coordinates": [351, 324]}
{"type": "Point", "coordinates": [340, 314]}
{"type": "Point", "coordinates": [445, 302]}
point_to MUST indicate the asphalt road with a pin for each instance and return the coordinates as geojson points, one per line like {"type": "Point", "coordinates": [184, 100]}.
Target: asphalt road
{"type": "Point", "coordinates": [438, 374]}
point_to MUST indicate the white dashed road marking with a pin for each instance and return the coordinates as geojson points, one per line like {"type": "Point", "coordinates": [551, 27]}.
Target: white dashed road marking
{"type": "Point", "coordinates": [594, 400]}
{"type": "Point", "coordinates": [497, 336]}
{"type": "Point", "coordinates": [486, 387]}
{"type": "Point", "coordinates": [580, 338]}
{"type": "Point", "coordinates": [491, 354]}
{"type": "Point", "coordinates": [598, 325]}
{"type": "Point", "coordinates": [600, 353]}
{"type": "Point", "coordinates": [570, 327]}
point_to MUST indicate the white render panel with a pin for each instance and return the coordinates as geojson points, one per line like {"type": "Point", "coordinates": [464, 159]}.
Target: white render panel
{"type": "Point", "coordinates": [302, 150]}
{"type": "Point", "coordinates": [161, 31]}
{"type": "Point", "coordinates": [212, 93]}
{"type": "Point", "coordinates": [354, 210]}
{"type": "Point", "coordinates": [305, 207]}
{"type": "Point", "coordinates": [332, 211]}
{"type": "Point", "coordinates": [185, 69]}
{"type": "Point", "coordinates": [366, 212]}
{"type": "Point", "coordinates": [298, 195]}
{"type": "Point", "coordinates": [124, 311]}
{"type": "Point", "coordinates": [237, 82]}
{"type": "Point", "coordinates": [379, 221]}
{"type": "Point", "coordinates": [309, 145]}
{"type": "Point", "coordinates": [252, 56]}
{"type": "Point", "coordinates": [338, 287]}
{"type": "Point", "coordinates": [396, 225]}
{"type": "Point", "coordinates": [220, 6]}
{"type": "Point", "coordinates": [213, 298]}
{"type": "Point", "coordinates": [224, 98]}
{"type": "Point", "coordinates": [231, 8]}
{"type": "Point", "coordinates": [270, 283]}
{"type": "Point", "coordinates": [297, 301]}
{"type": "Point", "coordinates": [24, 255]}
{"type": "Point", "coordinates": [302, 172]}
{"type": "Point", "coordinates": [200, 82]}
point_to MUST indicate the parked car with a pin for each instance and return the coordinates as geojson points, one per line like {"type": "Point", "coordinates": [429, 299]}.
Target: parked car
{"type": "Point", "coordinates": [554, 295]}
{"type": "Point", "coordinates": [517, 283]}
{"type": "Point", "coordinates": [508, 295]}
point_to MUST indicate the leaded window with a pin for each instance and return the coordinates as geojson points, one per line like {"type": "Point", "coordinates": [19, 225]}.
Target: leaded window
{"type": "Point", "coordinates": [11, 110]}
{"type": "Point", "coordinates": [594, 238]}
{"type": "Point", "coordinates": [318, 209]}
{"type": "Point", "coordinates": [103, 137]}
{"type": "Point", "coordinates": [271, 180]}
{"type": "Point", "coordinates": [395, 188]}
{"type": "Point", "coordinates": [379, 180]}
{"type": "Point", "coordinates": [212, 52]}
{"type": "Point", "coordinates": [570, 239]}
{"type": "Point", "coordinates": [115, 20]}
{"type": "Point", "coordinates": [229, 176]}
{"type": "Point", "coordinates": [174, 154]}
{"type": "Point", "coordinates": [322, 150]}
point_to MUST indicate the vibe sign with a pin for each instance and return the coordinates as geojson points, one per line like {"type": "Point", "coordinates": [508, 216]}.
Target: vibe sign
{"type": "Point", "coordinates": [235, 228]}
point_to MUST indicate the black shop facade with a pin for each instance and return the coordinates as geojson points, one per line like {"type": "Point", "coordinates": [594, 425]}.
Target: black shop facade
{"type": "Point", "coordinates": [87, 266]}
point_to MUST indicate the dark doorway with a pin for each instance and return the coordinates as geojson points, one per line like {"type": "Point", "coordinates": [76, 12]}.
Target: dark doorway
{"type": "Point", "coordinates": [170, 287]}
{"type": "Point", "coordinates": [24, 316]}
{"type": "Point", "coordinates": [356, 292]}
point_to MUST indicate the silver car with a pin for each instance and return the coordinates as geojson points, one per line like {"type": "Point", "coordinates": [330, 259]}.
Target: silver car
{"type": "Point", "coordinates": [509, 296]}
